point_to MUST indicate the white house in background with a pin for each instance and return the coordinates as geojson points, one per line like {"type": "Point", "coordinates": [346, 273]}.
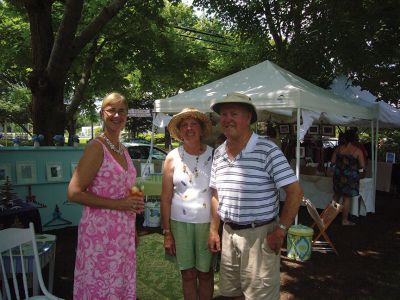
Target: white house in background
{"type": "Point", "coordinates": [86, 131]}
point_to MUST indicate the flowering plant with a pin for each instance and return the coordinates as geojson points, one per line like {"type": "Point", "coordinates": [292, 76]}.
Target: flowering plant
{"type": "Point", "coordinates": [59, 139]}
{"type": "Point", "coordinates": [37, 137]}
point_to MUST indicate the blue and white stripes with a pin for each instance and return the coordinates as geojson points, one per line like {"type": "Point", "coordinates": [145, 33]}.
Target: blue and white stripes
{"type": "Point", "coordinates": [248, 185]}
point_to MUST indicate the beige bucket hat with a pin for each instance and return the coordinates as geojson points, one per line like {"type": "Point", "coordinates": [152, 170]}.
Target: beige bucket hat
{"type": "Point", "coordinates": [235, 98]}
{"type": "Point", "coordinates": [189, 112]}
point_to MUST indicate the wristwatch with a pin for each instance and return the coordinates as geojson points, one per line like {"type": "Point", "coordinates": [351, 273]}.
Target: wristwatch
{"type": "Point", "coordinates": [164, 231]}
{"type": "Point", "coordinates": [283, 227]}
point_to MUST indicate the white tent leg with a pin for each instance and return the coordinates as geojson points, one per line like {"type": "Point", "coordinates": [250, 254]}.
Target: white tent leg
{"type": "Point", "coordinates": [376, 157]}
{"type": "Point", "coordinates": [149, 159]}
{"type": "Point", "coordinates": [298, 153]}
{"type": "Point", "coordinates": [373, 158]}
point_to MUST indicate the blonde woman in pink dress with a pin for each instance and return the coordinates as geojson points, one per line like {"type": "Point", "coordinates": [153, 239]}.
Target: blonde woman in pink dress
{"type": "Point", "coordinates": [105, 266]}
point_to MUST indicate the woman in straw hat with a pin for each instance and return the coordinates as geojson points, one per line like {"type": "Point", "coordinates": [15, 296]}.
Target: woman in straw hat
{"type": "Point", "coordinates": [185, 203]}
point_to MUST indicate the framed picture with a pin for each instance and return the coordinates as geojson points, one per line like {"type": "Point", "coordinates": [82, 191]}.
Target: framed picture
{"type": "Point", "coordinates": [74, 164]}
{"type": "Point", "coordinates": [391, 157]}
{"type": "Point", "coordinates": [146, 169]}
{"type": "Point", "coordinates": [26, 172]}
{"type": "Point", "coordinates": [302, 152]}
{"type": "Point", "coordinates": [328, 130]}
{"type": "Point", "coordinates": [284, 129]}
{"type": "Point", "coordinates": [54, 171]}
{"type": "Point", "coordinates": [314, 129]}
{"type": "Point", "coordinates": [5, 171]}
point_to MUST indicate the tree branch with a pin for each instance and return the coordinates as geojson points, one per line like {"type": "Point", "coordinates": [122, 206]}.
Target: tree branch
{"type": "Point", "coordinates": [84, 81]}
{"type": "Point", "coordinates": [66, 33]}
{"type": "Point", "coordinates": [42, 37]}
{"type": "Point", "coordinates": [272, 28]}
{"type": "Point", "coordinates": [106, 14]}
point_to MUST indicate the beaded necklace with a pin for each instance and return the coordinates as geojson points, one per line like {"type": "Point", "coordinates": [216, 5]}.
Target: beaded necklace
{"type": "Point", "coordinates": [186, 168]}
{"type": "Point", "coordinates": [120, 149]}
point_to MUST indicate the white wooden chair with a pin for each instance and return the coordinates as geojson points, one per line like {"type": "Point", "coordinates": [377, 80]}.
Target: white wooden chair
{"type": "Point", "coordinates": [12, 240]}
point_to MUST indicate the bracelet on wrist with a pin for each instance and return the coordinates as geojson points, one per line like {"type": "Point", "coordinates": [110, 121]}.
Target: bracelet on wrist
{"type": "Point", "coordinates": [165, 231]}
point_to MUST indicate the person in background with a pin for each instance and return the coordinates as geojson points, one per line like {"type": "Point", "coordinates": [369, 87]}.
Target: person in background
{"type": "Point", "coordinates": [246, 173]}
{"type": "Point", "coordinates": [273, 135]}
{"type": "Point", "coordinates": [105, 266]}
{"type": "Point", "coordinates": [347, 162]}
{"type": "Point", "coordinates": [185, 203]}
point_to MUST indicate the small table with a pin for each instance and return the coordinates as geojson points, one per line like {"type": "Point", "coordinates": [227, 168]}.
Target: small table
{"type": "Point", "coordinates": [47, 252]}
{"type": "Point", "coordinates": [25, 213]}
{"type": "Point", "coordinates": [319, 189]}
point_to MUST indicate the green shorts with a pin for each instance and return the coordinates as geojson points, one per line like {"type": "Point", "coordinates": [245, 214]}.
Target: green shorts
{"type": "Point", "coordinates": [191, 242]}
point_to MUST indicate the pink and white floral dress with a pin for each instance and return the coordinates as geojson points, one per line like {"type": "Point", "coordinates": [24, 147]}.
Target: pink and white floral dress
{"type": "Point", "coordinates": [105, 266]}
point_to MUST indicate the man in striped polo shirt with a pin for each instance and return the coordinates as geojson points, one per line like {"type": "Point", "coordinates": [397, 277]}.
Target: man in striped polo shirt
{"type": "Point", "coordinates": [246, 174]}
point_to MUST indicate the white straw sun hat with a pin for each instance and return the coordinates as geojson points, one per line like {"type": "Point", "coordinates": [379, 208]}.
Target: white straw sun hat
{"type": "Point", "coordinates": [235, 98]}
{"type": "Point", "coordinates": [189, 112]}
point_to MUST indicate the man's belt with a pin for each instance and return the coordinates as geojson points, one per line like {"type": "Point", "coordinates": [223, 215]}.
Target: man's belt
{"type": "Point", "coordinates": [236, 226]}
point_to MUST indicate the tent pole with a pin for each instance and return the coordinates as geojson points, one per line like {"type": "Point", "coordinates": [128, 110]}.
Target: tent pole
{"type": "Point", "coordinates": [144, 173]}
{"type": "Point", "coordinates": [152, 138]}
{"type": "Point", "coordinates": [376, 156]}
{"type": "Point", "coordinates": [373, 157]}
{"type": "Point", "coordinates": [298, 152]}
{"type": "Point", "coordinates": [5, 132]}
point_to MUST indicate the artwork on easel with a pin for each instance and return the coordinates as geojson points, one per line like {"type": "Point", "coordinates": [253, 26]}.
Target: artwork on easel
{"type": "Point", "coordinates": [57, 219]}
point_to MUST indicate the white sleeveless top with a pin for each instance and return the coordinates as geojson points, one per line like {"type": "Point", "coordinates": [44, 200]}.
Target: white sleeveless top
{"type": "Point", "coordinates": [191, 201]}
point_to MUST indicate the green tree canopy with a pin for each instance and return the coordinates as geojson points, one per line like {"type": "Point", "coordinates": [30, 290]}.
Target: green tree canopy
{"type": "Point", "coordinates": [321, 39]}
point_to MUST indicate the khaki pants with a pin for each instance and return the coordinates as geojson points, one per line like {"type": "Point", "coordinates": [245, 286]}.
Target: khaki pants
{"type": "Point", "coordinates": [248, 266]}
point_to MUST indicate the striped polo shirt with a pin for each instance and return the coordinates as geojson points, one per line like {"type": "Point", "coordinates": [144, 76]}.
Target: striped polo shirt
{"type": "Point", "coordinates": [248, 185]}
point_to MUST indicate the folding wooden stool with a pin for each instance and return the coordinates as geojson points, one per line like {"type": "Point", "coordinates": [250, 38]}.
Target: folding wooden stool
{"type": "Point", "coordinates": [323, 221]}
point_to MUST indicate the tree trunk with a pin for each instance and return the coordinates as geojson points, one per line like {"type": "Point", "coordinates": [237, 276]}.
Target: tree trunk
{"type": "Point", "coordinates": [52, 58]}
{"type": "Point", "coordinates": [48, 109]}
{"type": "Point", "coordinates": [71, 128]}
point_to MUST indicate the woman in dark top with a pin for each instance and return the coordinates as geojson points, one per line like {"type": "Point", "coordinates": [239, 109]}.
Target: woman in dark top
{"type": "Point", "coordinates": [348, 162]}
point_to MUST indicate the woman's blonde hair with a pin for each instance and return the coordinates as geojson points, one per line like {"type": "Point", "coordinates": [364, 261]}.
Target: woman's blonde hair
{"type": "Point", "coordinates": [113, 98]}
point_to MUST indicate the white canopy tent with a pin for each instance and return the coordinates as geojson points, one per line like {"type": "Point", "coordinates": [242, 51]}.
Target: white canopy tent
{"type": "Point", "coordinates": [275, 91]}
{"type": "Point", "coordinates": [387, 115]}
